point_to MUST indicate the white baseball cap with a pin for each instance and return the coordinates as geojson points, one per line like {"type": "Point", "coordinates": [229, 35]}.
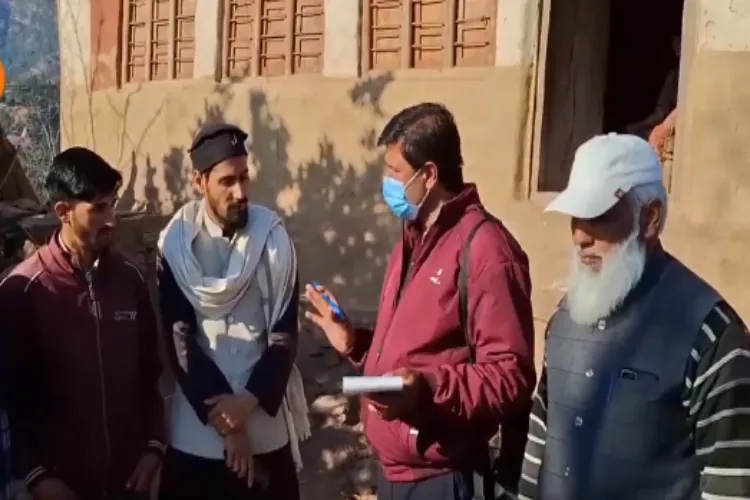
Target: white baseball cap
{"type": "Point", "coordinates": [604, 169]}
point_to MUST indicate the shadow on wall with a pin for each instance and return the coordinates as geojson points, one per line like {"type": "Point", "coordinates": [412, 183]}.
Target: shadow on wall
{"type": "Point", "coordinates": [332, 208]}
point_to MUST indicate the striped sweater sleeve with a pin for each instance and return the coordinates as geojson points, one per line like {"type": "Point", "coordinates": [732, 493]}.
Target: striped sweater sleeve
{"type": "Point", "coordinates": [537, 438]}
{"type": "Point", "coordinates": [717, 387]}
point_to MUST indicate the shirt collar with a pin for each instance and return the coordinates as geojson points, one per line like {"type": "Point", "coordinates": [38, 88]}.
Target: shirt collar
{"type": "Point", "coordinates": [71, 257]}
{"type": "Point", "coordinates": [211, 227]}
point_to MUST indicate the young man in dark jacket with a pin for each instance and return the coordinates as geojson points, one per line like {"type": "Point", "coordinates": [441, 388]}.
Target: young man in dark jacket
{"type": "Point", "coordinates": [80, 346]}
{"type": "Point", "coordinates": [431, 437]}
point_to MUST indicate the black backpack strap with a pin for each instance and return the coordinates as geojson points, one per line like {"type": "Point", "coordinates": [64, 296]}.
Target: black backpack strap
{"type": "Point", "coordinates": [463, 282]}
{"type": "Point", "coordinates": [484, 483]}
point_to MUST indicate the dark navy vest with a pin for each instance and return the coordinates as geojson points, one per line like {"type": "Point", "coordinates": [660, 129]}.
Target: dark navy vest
{"type": "Point", "coordinates": [617, 427]}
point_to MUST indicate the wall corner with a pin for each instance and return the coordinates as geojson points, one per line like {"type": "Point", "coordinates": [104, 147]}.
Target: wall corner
{"type": "Point", "coordinates": [208, 37]}
{"type": "Point", "coordinates": [517, 31]}
{"type": "Point", "coordinates": [341, 38]}
{"type": "Point", "coordinates": [74, 28]}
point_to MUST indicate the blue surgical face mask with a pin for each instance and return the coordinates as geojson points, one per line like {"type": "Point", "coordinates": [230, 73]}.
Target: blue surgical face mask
{"type": "Point", "coordinates": [394, 194]}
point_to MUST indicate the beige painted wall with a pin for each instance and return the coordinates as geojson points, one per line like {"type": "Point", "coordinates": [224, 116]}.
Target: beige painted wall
{"type": "Point", "coordinates": [312, 138]}
{"type": "Point", "coordinates": [313, 142]}
{"type": "Point", "coordinates": [711, 181]}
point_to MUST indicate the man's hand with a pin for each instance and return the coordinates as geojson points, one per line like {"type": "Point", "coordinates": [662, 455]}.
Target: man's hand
{"type": "Point", "coordinates": [52, 489]}
{"type": "Point", "coordinates": [658, 138]}
{"type": "Point", "coordinates": [231, 411]}
{"type": "Point", "coordinates": [661, 133]}
{"type": "Point", "coordinates": [670, 122]}
{"type": "Point", "coordinates": [179, 335]}
{"type": "Point", "coordinates": [145, 472]}
{"type": "Point", "coordinates": [239, 457]}
{"type": "Point", "coordinates": [396, 405]}
{"type": "Point", "coordinates": [338, 330]}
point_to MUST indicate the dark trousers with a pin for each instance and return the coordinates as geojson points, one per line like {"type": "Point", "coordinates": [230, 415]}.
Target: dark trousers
{"type": "Point", "coordinates": [188, 477]}
{"type": "Point", "coordinates": [451, 486]}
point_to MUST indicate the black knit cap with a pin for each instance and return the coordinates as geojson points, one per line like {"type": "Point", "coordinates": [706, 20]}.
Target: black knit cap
{"type": "Point", "coordinates": [216, 142]}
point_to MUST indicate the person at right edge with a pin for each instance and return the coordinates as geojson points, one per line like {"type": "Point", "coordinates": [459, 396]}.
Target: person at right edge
{"type": "Point", "coordinates": [645, 388]}
{"type": "Point", "coordinates": [431, 437]}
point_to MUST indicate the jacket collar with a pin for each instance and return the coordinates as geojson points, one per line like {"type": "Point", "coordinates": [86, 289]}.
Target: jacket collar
{"type": "Point", "coordinates": [449, 215]}
{"type": "Point", "coordinates": [656, 260]}
{"type": "Point", "coordinates": [59, 259]}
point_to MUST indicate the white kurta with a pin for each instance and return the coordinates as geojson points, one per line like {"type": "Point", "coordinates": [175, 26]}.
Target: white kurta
{"type": "Point", "coordinates": [235, 344]}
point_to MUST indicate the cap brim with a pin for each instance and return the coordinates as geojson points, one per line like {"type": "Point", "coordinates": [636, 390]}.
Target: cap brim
{"type": "Point", "coordinates": [582, 204]}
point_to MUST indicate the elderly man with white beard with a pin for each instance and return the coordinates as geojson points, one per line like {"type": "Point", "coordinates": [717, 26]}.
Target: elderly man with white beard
{"type": "Point", "coordinates": [645, 388]}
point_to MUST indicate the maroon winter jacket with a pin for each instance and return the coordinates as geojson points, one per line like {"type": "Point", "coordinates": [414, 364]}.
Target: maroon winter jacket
{"type": "Point", "coordinates": [81, 368]}
{"type": "Point", "coordinates": [418, 327]}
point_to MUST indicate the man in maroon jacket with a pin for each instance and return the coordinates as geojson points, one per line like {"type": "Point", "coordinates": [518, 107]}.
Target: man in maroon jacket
{"type": "Point", "coordinates": [80, 357]}
{"type": "Point", "coordinates": [431, 437]}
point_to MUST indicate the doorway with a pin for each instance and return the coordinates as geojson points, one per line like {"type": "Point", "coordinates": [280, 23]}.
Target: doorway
{"type": "Point", "coordinates": [605, 66]}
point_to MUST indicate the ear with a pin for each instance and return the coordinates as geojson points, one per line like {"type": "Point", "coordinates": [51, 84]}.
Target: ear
{"type": "Point", "coordinates": [651, 218]}
{"type": "Point", "coordinates": [430, 172]}
{"type": "Point", "coordinates": [199, 182]}
{"type": "Point", "coordinates": [63, 210]}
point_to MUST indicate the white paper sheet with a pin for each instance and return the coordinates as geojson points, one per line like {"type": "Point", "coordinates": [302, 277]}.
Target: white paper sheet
{"type": "Point", "coordinates": [360, 385]}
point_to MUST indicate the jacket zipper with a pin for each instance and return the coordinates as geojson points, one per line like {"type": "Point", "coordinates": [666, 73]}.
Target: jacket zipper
{"type": "Point", "coordinates": [100, 357]}
{"type": "Point", "coordinates": [401, 289]}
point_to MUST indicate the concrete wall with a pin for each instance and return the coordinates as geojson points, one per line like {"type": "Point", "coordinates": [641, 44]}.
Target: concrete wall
{"type": "Point", "coordinates": [312, 140]}
{"type": "Point", "coordinates": [711, 180]}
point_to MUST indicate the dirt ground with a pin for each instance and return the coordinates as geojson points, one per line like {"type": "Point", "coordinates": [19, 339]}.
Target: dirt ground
{"type": "Point", "coordinates": [337, 460]}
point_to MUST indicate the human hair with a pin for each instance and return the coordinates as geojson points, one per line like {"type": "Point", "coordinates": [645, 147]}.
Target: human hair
{"type": "Point", "coordinates": [643, 194]}
{"type": "Point", "coordinates": [79, 174]}
{"type": "Point", "coordinates": [427, 132]}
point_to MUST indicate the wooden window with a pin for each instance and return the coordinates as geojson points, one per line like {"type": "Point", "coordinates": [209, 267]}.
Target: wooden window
{"type": "Point", "coordinates": [184, 48]}
{"type": "Point", "coordinates": [273, 32]}
{"type": "Point", "coordinates": [136, 23]}
{"type": "Point", "coordinates": [428, 33]}
{"type": "Point", "coordinates": [475, 33]}
{"type": "Point", "coordinates": [386, 18]}
{"type": "Point", "coordinates": [309, 26]}
{"type": "Point", "coordinates": [272, 37]}
{"type": "Point", "coordinates": [239, 32]}
{"type": "Point", "coordinates": [159, 39]}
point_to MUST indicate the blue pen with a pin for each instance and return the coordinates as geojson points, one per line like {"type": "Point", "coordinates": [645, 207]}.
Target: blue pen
{"type": "Point", "coordinates": [334, 307]}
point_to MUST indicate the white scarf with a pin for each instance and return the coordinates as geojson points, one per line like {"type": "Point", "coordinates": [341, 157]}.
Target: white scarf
{"type": "Point", "coordinates": [258, 252]}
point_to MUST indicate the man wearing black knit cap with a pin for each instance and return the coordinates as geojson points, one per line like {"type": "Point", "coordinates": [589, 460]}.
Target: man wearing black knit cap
{"type": "Point", "coordinates": [228, 292]}
{"type": "Point", "coordinates": [227, 142]}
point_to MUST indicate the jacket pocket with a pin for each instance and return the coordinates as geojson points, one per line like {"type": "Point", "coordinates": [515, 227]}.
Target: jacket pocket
{"type": "Point", "coordinates": [395, 443]}
{"type": "Point", "coordinates": [634, 407]}
{"type": "Point", "coordinates": [632, 389]}
{"type": "Point", "coordinates": [408, 437]}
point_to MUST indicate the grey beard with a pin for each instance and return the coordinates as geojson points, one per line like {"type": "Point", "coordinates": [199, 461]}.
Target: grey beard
{"type": "Point", "coordinates": [595, 295]}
